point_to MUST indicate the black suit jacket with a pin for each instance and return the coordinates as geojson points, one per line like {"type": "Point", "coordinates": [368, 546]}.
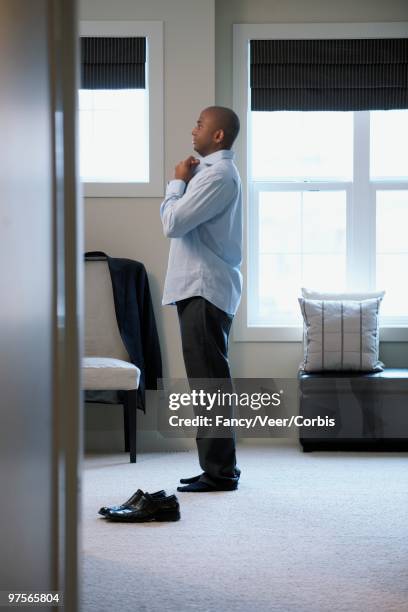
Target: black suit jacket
{"type": "Point", "coordinates": [136, 324]}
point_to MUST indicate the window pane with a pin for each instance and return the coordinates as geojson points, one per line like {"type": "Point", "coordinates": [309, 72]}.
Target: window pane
{"type": "Point", "coordinates": [324, 272]}
{"type": "Point", "coordinates": [391, 275]}
{"type": "Point", "coordinates": [113, 126]}
{"type": "Point", "coordinates": [85, 99]}
{"type": "Point", "coordinates": [279, 282]}
{"type": "Point", "coordinates": [388, 146]}
{"type": "Point", "coordinates": [279, 221]}
{"type": "Point", "coordinates": [324, 222]}
{"type": "Point", "coordinates": [302, 145]}
{"type": "Point", "coordinates": [392, 221]}
{"type": "Point", "coordinates": [392, 250]}
{"type": "Point", "coordinates": [302, 241]}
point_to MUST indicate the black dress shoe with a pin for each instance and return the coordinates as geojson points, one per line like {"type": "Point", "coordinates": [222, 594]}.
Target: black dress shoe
{"type": "Point", "coordinates": [190, 480]}
{"type": "Point", "coordinates": [132, 501]}
{"type": "Point", "coordinates": [147, 509]}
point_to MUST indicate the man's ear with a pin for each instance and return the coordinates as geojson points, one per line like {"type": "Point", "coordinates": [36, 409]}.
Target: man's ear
{"type": "Point", "coordinates": [219, 136]}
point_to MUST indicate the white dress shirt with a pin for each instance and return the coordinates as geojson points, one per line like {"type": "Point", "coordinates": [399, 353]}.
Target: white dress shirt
{"type": "Point", "coordinates": [204, 222]}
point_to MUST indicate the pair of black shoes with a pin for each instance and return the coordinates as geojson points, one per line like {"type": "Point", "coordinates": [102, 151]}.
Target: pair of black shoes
{"type": "Point", "coordinates": [143, 507]}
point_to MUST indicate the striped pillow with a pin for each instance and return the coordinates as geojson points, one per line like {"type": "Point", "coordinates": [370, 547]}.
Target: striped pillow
{"type": "Point", "coordinates": [341, 335]}
{"type": "Point", "coordinates": [312, 294]}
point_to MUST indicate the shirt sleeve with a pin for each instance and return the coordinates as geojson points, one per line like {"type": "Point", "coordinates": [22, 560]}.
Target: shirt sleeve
{"type": "Point", "coordinates": [182, 210]}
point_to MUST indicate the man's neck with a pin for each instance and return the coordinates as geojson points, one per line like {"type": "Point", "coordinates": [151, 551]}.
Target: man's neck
{"type": "Point", "coordinates": [215, 151]}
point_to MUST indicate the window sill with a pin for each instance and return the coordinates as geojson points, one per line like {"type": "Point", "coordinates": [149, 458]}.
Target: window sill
{"type": "Point", "coordinates": [295, 334]}
{"type": "Point", "coordinates": [122, 190]}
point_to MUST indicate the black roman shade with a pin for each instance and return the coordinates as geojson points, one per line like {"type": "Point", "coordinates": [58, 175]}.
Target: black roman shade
{"type": "Point", "coordinates": [340, 75]}
{"type": "Point", "coordinates": [113, 63]}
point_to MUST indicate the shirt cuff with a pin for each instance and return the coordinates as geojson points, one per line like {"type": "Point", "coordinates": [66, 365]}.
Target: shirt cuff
{"type": "Point", "coordinates": [176, 187]}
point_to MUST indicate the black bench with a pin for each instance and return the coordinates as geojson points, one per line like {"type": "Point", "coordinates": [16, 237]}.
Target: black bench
{"type": "Point", "coordinates": [370, 410]}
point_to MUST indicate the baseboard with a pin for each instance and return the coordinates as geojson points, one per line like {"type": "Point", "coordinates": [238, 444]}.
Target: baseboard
{"type": "Point", "coordinates": [380, 445]}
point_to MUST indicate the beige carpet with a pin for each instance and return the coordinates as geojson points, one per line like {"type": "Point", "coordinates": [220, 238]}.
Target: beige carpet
{"type": "Point", "coordinates": [304, 532]}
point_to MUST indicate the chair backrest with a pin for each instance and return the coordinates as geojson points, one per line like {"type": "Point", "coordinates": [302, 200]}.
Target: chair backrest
{"type": "Point", "coordinates": [102, 338]}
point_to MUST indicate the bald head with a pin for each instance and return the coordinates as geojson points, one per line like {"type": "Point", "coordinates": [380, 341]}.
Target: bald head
{"type": "Point", "coordinates": [224, 119]}
{"type": "Point", "coordinates": [216, 129]}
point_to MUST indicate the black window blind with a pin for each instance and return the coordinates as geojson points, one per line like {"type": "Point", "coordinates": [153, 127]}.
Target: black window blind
{"type": "Point", "coordinates": [113, 62]}
{"type": "Point", "coordinates": [341, 75]}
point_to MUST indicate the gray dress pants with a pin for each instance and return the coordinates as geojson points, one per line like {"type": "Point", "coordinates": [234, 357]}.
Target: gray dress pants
{"type": "Point", "coordinates": [204, 335]}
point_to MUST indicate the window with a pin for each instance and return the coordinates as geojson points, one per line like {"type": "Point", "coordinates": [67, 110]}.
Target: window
{"type": "Point", "coordinates": [326, 203]}
{"type": "Point", "coordinates": [315, 178]}
{"type": "Point", "coordinates": [121, 130]}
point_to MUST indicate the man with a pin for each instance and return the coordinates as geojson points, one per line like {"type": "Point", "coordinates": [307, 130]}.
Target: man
{"type": "Point", "coordinates": [202, 214]}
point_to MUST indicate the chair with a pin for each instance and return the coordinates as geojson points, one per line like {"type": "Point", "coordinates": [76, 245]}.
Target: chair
{"type": "Point", "coordinates": [106, 365]}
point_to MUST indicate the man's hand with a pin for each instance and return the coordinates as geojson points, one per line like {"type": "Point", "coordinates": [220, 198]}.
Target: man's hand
{"type": "Point", "coordinates": [185, 169]}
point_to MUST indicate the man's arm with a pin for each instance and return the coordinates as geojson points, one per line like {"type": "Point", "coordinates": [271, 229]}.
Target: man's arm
{"type": "Point", "coordinates": [205, 198]}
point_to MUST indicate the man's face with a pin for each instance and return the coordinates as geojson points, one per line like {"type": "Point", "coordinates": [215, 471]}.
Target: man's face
{"type": "Point", "coordinates": [205, 134]}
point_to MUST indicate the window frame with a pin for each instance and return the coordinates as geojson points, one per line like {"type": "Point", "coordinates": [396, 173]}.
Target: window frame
{"type": "Point", "coordinates": [242, 34]}
{"type": "Point", "coordinates": [153, 31]}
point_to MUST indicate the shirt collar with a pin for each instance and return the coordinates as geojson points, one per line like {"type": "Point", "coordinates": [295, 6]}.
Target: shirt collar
{"type": "Point", "coordinates": [208, 160]}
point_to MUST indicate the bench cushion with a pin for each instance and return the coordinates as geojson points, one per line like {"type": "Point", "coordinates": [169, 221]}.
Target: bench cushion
{"type": "Point", "coordinates": [109, 373]}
